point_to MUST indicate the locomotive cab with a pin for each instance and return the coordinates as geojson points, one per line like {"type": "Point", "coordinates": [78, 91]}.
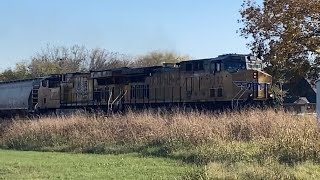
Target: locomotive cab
{"type": "Point", "coordinates": [261, 85]}
{"type": "Point", "coordinates": [234, 63]}
{"type": "Point", "coordinates": [244, 79]}
{"type": "Point", "coordinates": [258, 81]}
{"type": "Point", "coordinates": [47, 95]}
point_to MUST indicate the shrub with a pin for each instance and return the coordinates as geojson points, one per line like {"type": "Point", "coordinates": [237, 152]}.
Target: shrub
{"type": "Point", "coordinates": [198, 137]}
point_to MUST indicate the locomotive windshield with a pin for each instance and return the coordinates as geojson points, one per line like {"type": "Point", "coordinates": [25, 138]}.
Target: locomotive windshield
{"type": "Point", "coordinates": [256, 66]}
{"type": "Point", "coordinates": [233, 66]}
{"type": "Point", "coordinates": [254, 63]}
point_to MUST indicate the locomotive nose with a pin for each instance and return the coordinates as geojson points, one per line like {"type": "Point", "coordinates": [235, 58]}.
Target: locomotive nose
{"type": "Point", "coordinates": [262, 85]}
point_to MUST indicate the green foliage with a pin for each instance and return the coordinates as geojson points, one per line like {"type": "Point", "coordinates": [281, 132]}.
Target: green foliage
{"type": "Point", "coordinates": [20, 72]}
{"type": "Point", "coordinates": [41, 165]}
{"type": "Point", "coordinates": [156, 58]}
{"type": "Point", "coordinates": [278, 94]}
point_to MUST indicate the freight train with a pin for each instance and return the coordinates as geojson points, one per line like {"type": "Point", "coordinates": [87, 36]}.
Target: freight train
{"type": "Point", "coordinates": [229, 80]}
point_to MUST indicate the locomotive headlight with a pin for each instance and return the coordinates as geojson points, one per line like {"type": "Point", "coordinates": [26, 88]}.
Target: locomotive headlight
{"type": "Point", "coordinates": [255, 75]}
{"type": "Point", "coordinates": [271, 95]}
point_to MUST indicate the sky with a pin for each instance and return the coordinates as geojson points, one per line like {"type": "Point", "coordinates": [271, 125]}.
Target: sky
{"type": "Point", "coordinates": [200, 29]}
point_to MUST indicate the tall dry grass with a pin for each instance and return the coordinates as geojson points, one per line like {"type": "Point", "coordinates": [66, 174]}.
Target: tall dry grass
{"type": "Point", "coordinates": [194, 136]}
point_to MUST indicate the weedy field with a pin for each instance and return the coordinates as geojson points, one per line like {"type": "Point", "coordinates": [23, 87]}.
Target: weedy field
{"type": "Point", "coordinates": [251, 144]}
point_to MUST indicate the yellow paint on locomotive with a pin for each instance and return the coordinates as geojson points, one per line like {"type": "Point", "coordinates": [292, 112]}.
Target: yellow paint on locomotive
{"type": "Point", "coordinates": [49, 98]}
{"type": "Point", "coordinates": [255, 84]}
{"type": "Point", "coordinates": [264, 89]}
{"type": "Point", "coordinates": [171, 85]}
{"type": "Point", "coordinates": [77, 89]}
{"type": "Point", "coordinates": [175, 87]}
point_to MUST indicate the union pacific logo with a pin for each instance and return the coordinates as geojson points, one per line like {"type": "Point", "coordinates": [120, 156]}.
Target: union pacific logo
{"type": "Point", "coordinates": [251, 85]}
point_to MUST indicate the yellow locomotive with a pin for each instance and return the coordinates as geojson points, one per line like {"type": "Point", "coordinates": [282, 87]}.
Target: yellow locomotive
{"type": "Point", "coordinates": [229, 80]}
{"type": "Point", "coordinates": [226, 81]}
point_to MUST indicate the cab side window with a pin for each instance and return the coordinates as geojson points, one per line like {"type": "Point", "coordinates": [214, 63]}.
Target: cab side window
{"type": "Point", "coordinates": [44, 83]}
{"type": "Point", "coordinates": [201, 67]}
{"type": "Point", "coordinates": [198, 66]}
{"type": "Point", "coordinates": [215, 67]}
{"type": "Point", "coordinates": [218, 67]}
{"type": "Point", "coordinates": [189, 67]}
{"type": "Point", "coordinates": [212, 67]}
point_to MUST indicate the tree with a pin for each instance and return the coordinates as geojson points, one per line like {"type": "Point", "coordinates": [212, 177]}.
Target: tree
{"type": "Point", "coordinates": [8, 75]}
{"type": "Point", "coordinates": [57, 60]}
{"type": "Point", "coordinates": [102, 59]}
{"type": "Point", "coordinates": [20, 72]}
{"type": "Point", "coordinates": [285, 34]}
{"type": "Point", "coordinates": [156, 58]}
{"type": "Point", "coordinates": [61, 60]}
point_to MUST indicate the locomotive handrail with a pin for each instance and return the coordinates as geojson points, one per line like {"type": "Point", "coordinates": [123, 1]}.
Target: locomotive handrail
{"type": "Point", "coordinates": [123, 94]}
{"type": "Point", "coordinates": [35, 107]}
{"type": "Point", "coordinates": [118, 98]}
{"type": "Point", "coordinates": [233, 99]}
{"type": "Point", "coordinates": [110, 95]}
{"type": "Point", "coordinates": [241, 95]}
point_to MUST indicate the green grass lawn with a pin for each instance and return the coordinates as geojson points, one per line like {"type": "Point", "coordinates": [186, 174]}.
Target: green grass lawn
{"type": "Point", "coordinates": [48, 165]}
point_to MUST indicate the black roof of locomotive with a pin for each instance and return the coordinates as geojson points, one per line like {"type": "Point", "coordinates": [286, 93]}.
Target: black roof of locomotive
{"type": "Point", "coordinates": [220, 57]}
